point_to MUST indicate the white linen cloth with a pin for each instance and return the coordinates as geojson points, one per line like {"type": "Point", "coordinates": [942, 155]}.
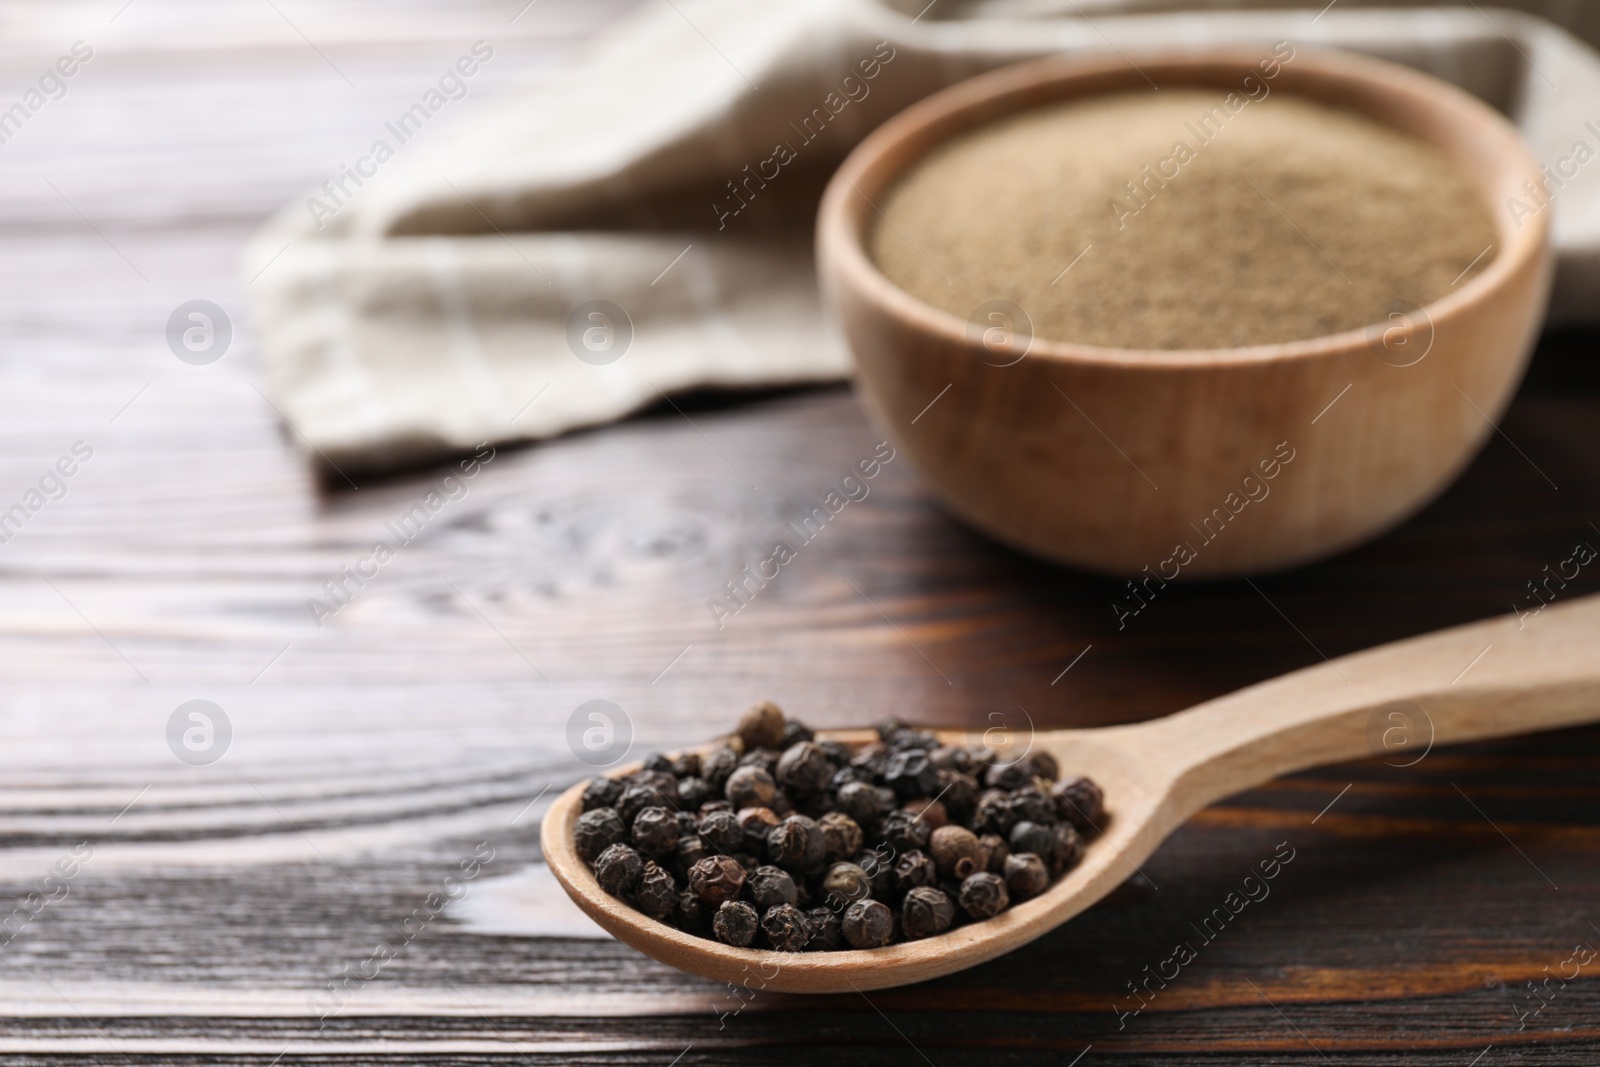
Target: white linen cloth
{"type": "Point", "coordinates": [429, 311]}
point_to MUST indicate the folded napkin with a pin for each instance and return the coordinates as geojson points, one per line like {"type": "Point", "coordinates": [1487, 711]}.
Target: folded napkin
{"type": "Point", "coordinates": [640, 223]}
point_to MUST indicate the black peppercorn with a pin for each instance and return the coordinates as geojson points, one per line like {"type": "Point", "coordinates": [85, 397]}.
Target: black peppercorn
{"type": "Point", "coordinates": [956, 851]}
{"type": "Point", "coordinates": [597, 830]}
{"type": "Point", "coordinates": [637, 797]}
{"type": "Point", "coordinates": [844, 884]}
{"type": "Point", "coordinates": [657, 892]}
{"type": "Point", "coordinates": [867, 924]}
{"type": "Point", "coordinates": [902, 831]}
{"type": "Point", "coordinates": [601, 793]}
{"type": "Point", "coordinates": [795, 732]}
{"type": "Point", "coordinates": [997, 850]}
{"type": "Point", "coordinates": [761, 726]}
{"type": "Point", "coordinates": [926, 911]}
{"type": "Point", "coordinates": [929, 811]}
{"type": "Point", "coordinates": [658, 761]}
{"type": "Point", "coordinates": [715, 805]}
{"type": "Point", "coordinates": [804, 768]}
{"type": "Point", "coordinates": [796, 844]}
{"type": "Point", "coordinates": [861, 801]}
{"type": "Point", "coordinates": [693, 792]}
{"type": "Point", "coordinates": [716, 879]}
{"type": "Point", "coordinates": [691, 849]}
{"type": "Point", "coordinates": [1026, 875]}
{"type": "Point", "coordinates": [983, 895]}
{"type": "Point", "coordinates": [655, 831]}
{"type": "Point", "coordinates": [1031, 837]}
{"type": "Point", "coordinates": [693, 917]}
{"type": "Point", "coordinates": [910, 774]}
{"type": "Point", "coordinates": [959, 792]}
{"type": "Point", "coordinates": [841, 835]}
{"type": "Point", "coordinates": [665, 781]}
{"type": "Point", "coordinates": [686, 765]}
{"type": "Point", "coordinates": [888, 726]}
{"type": "Point", "coordinates": [838, 752]}
{"type": "Point", "coordinates": [735, 923]}
{"type": "Point", "coordinates": [687, 823]}
{"type": "Point", "coordinates": [721, 831]}
{"type": "Point", "coordinates": [993, 813]}
{"type": "Point", "coordinates": [870, 760]}
{"type": "Point", "coordinates": [1044, 766]}
{"type": "Point", "coordinates": [750, 787]}
{"type": "Point", "coordinates": [913, 869]}
{"type": "Point", "coordinates": [1029, 804]}
{"type": "Point", "coordinates": [764, 758]}
{"type": "Point", "coordinates": [827, 932]}
{"type": "Point", "coordinates": [1068, 849]}
{"type": "Point", "coordinates": [1007, 776]}
{"type": "Point", "coordinates": [716, 765]}
{"type": "Point", "coordinates": [769, 886]}
{"type": "Point", "coordinates": [1078, 801]}
{"type": "Point", "coordinates": [786, 927]}
{"type": "Point", "coordinates": [756, 823]}
{"type": "Point", "coordinates": [617, 869]}
{"type": "Point", "coordinates": [879, 867]}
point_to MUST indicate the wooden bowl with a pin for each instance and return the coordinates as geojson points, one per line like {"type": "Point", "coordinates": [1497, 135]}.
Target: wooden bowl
{"type": "Point", "coordinates": [1029, 453]}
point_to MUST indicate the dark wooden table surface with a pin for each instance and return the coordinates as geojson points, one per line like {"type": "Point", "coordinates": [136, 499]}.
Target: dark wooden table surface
{"type": "Point", "coordinates": [199, 913]}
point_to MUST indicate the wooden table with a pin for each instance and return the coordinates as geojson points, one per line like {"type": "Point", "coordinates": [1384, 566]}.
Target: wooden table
{"type": "Point", "coordinates": [209, 906]}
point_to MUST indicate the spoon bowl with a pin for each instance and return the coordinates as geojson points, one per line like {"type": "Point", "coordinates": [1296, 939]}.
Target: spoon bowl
{"type": "Point", "coordinates": [1495, 678]}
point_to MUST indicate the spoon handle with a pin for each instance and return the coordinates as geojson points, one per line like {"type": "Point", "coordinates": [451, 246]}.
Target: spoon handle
{"type": "Point", "coordinates": [1503, 676]}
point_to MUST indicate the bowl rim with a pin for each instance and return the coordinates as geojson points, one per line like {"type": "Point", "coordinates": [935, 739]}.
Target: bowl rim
{"type": "Point", "coordinates": [841, 227]}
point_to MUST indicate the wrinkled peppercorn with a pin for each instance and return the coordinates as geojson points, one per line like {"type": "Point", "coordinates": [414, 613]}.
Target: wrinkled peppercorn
{"type": "Point", "coordinates": [993, 813]}
{"type": "Point", "coordinates": [655, 831]}
{"type": "Point", "coordinates": [956, 851]}
{"type": "Point", "coordinates": [693, 792]}
{"type": "Point", "coordinates": [1078, 801]}
{"type": "Point", "coordinates": [1031, 837]}
{"type": "Point", "coordinates": [926, 911]}
{"type": "Point", "coordinates": [658, 761]}
{"type": "Point", "coordinates": [716, 879]}
{"type": "Point", "coordinates": [879, 866]}
{"type": "Point", "coordinates": [796, 844]}
{"type": "Point", "coordinates": [693, 917]}
{"type": "Point", "coordinates": [804, 768]}
{"type": "Point", "coordinates": [1007, 776]}
{"type": "Point", "coordinates": [1028, 804]}
{"type": "Point", "coordinates": [838, 752]}
{"type": "Point", "coordinates": [691, 849]}
{"type": "Point", "coordinates": [618, 868]}
{"type": "Point", "coordinates": [657, 893]}
{"type": "Point", "coordinates": [862, 802]}
{"type": "Point", "coordinates": [827, 932]}
{"type": "Point", "coordinates": [903, 831]}
{"type": "Point", "coordinates": [867, 924]}
{"type": "Point", "coordinates": [997, 850]}
{"type": "Point", "coordinates": [795, 732]}
{"type": "Point", "coordinates": [722, 831]}
{"type": "Point", "coordinates": [786, 927]}
{"type": "Point", "coordinates": [910, 774]}
{"type": "Point", "coordinates": [637, 797]}
{"type": "Point", "coordinates": [769, 886]}
{"type": "Point", "coordinates": [1026, 875]}
{"type": "Point", "coordinates": [597, 830]}
{"type": "Point", "coordinates": [1068, 849]}
{"type": "Point", "coordinates": [1044, 765]}
{"type": "Point", "coordinates": [735, 923]}
{"type": "Point", "coordinates": [841, 835]}
{"type": "Point", "coordinates": [750, 787]}
{"type": "Point", "coordinates": [912, 869]}
{"type": "Point", "coordinates": [761, 726]}
{"type": "Point", "coordinates": [601, 793]}
{"type": "Point", "coordinates": [983, 895]}
{"type": "Point", "coordinates": [845, 883]}
{"type": "Point", "coordinates": [959, 792]}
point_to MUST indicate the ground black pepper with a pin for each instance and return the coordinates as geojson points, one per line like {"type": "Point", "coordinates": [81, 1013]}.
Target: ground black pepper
{"type": "Point", "coordinates": [782, 839]}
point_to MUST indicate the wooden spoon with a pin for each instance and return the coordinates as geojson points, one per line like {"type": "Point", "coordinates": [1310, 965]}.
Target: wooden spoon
{"type": "Point", "coordinates": [1494, 678]}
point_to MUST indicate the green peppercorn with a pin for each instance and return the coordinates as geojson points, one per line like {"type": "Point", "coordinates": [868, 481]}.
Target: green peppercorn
{"type": "Point", "coordinates": [770, 886]}
{"type": "Point", "coordinates": [655, 831]}
{"type": "Point", "coordinates": [867, 924]}
{"type": "Point", "coordinates": [735, 923]}
{"type": "Point", "coordinates": [844, 884]}
{"type": "Point", "coordinates": [716, 879]}
{"type": "Point", "coordinates": [1026, 875]}
{"type": "Point", "coordinates": [657, 892]}
{"type": "Point", "coordinates": [597, 830]}
{"type": "Point", "coordinates": [983, 895]}
{"type": "Point", "coordinates": [926, 911]}
{"type": "Point", "coordinates": [786, 927]}
{"type": "Point", "coordinates": [618, 868]}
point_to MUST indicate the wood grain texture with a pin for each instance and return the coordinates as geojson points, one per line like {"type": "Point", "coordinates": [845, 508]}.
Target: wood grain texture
{"type": "Point", "coordinates": [374, 755]}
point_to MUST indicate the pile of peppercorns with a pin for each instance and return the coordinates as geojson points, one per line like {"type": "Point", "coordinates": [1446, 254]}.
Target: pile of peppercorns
{"type": "Point", "coordinates": [807, 844]}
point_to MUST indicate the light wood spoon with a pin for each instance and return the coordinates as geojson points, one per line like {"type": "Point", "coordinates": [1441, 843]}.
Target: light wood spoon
{"type": "Point", "coordinates": [1494, 678]}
